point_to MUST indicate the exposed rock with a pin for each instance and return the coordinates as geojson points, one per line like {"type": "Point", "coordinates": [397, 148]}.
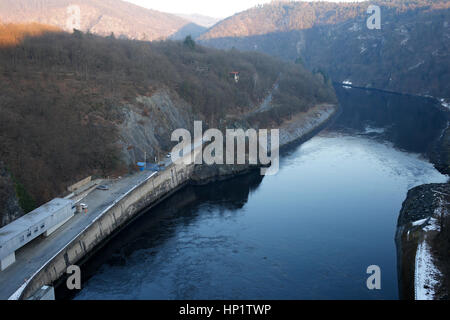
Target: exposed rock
{"type": "Point", "coordinates": [440, 156]}
{"type": "Point", "coordinates": [304, 123]}
{"type": "Point", "coordinates": [301, 126]}
{"type": "Point", "coordinates": [420, 203]}
{"type": "Point", "coordinates": [420, 220]}
{"type": "Point", "coordinates": [148, 124]}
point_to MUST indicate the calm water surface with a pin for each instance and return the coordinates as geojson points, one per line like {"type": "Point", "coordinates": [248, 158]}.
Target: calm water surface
{"type": "Point", "coordinates": [309, 232]}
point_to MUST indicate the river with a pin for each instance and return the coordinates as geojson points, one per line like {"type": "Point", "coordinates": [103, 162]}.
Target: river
{"type": "Point", "coordinates": [308, 232]}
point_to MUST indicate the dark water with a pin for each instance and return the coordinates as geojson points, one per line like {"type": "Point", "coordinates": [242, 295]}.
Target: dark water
{"type": "Point", "coordinates": [309, 232]}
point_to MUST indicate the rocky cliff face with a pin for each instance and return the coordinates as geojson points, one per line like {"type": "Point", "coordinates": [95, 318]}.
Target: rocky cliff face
{"type": "Point", "coordinates": [423, 234]}
{"type": "Point", "coordinates": [9, 204]}
{"type": "Point", "coordinates": [441, 153]}
{"type": "Point", "coordinates": [300, 127]}
{"type": "Point", "coordinates": [409, 54]}
{"type": "Point", "coordinates": [148, 124]}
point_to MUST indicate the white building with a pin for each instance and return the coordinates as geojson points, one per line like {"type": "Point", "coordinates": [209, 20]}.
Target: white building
{"type": "Point", "coordinates": [43, 220]}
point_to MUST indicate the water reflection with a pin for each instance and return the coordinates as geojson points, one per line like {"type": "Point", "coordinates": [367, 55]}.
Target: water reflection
{"type": "Point", "coordinates": [410, 123]}
{"type": "Point", "coordinates": [164, 223]}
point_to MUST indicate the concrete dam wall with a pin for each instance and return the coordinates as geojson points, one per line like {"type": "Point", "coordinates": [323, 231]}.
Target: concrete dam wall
{"type": "Point", "coordinates": [144, 195]}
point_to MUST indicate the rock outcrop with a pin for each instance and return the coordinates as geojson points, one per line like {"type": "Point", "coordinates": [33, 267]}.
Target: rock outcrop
{"type": "Point", "coordinates": [422, 218]}
{"type": "Point", "coordinates": [300, 127]}
{"type": "Point", "coordinates": [148, 124]}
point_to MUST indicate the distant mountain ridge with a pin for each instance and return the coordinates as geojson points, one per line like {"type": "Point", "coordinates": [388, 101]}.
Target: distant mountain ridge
{"type": "Point", "coordinates": [199, 19]}
{"type": "Point", "coordinates": [284, 16]}
{"type": "Point", "coordinates": [409, 54]}
{"type": "Point", "coordinates": [101, 17]}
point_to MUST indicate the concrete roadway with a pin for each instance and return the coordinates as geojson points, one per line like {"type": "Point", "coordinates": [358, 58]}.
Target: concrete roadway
{"type": "Point", "coordinates": [31, 257]}
{"type": "Point", "coordinates": [35, 254]}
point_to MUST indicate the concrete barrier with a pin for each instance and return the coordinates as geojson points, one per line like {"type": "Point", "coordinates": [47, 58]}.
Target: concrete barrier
{"type": "Point", "coordinates": [79, 184]}
{"type": "Point", "coordinates": [143, 196]}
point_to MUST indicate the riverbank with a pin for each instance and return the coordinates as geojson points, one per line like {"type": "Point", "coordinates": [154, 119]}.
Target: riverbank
{"type": "Point", "coordinates": [439, 153]}
{"type": "Point", "coordinates": [144, 196]}
{"type": "Point", "coordinates": [440, 156]}
{"type": "Point", "coordinates": [423, 268]}
{"type": "Point", "coordinates": [422, 247]}
{"type": "Point", "coordinates": [300, 128]}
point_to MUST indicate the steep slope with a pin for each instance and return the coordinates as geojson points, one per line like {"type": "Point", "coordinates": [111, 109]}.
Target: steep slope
{"type": "Point", "coordinates": [423, 240]}
{"type": "Point", "coordinates": [74, 105]}
{"type": "Point", "coordinates": [101, 17]}
{"type": "Point", "coordinates": [282, 16]}
{"type": "Point", "coordinates": [410, 53]}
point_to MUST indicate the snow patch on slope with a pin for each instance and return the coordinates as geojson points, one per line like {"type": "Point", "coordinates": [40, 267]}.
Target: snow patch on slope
{"type": "Point", "coordinates": [425, 273]}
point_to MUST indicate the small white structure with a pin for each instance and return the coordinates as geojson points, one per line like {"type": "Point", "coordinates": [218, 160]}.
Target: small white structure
{"type": "Point", "coordinates": [43, 220]}
{"type": "Point", "coordinates": [235, 75]}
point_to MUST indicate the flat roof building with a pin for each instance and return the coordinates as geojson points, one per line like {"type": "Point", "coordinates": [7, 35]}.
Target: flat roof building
{"type": "Point", "coordinates": [43, 220]}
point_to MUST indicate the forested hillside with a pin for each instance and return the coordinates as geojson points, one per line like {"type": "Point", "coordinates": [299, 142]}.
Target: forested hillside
{"type": "Point", "coordinates": [410, 53]}
{"type": "Point", "coordinates": [283, 16]}
{"type": "Point", "coordinates": [101, 17]}
{"type": "Point", "coordinates": [63, 97]}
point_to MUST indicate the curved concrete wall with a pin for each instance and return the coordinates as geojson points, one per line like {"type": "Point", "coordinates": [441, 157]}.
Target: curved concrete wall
{"type": "Point", "coordinates": [146, 194]}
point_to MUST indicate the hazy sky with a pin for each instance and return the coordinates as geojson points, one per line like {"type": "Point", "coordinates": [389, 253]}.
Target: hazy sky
{"type": "Point", "coordinates": [212, 8]}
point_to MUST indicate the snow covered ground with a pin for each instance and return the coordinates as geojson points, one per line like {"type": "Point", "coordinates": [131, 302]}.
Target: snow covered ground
{"type": "Point", "coordinates": [426, 274]}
